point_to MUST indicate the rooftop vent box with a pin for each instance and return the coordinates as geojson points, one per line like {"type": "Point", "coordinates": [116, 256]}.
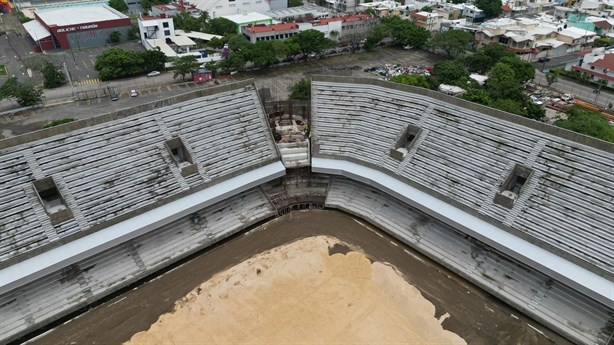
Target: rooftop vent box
{"type": "Point", "coordinates": [405, 143]}
{"type": "Point", "coordinates": [181, 156]}
{"type": "Point", "coordinates": [50, 197]}
{"type": "Point", "coordinates": [513, 186]}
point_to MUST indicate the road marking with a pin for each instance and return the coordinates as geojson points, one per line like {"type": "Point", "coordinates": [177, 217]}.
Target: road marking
{"type": "Point", "coordinates": [414, 255]}
{"type": "Point", "coordinates": [514, 316]}
{"type": "Point", "coordinates": [368, 227]}
{"type": "Point", "coordinates": [394, 244]}
{"type": "Point", "coordinates": [537, 330]}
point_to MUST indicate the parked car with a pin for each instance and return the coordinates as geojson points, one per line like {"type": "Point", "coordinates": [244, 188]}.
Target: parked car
{"type": "Point", "coordinates": [153, 74]}
{"type": "Point", "coordinates": [543, 59]}
{"type": "Point", "coordinates": [133, 93]}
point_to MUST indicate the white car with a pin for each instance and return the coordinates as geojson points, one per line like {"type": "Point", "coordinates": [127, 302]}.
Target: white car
{"type": "Point", "coordinates": [133, 93]}
{"type": "Point", "coordinates": [153, 74]}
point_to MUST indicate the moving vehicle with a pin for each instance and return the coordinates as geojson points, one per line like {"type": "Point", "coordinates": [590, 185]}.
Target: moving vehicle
{"type": "Point", "coordinates": [543, 59]}
{"type": "Point", "coordinates": [133, 93]}
{"type": "Point", "coordinates": [153, 74]}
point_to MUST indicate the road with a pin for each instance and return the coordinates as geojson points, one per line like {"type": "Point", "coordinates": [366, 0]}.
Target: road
{"type": "Point", "coordinates": [579, 91]}
{"type": "Point", "coordinates": [63, 102]}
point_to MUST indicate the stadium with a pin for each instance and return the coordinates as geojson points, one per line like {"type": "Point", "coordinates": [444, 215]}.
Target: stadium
{"type": "Point", "coordinates": [521, 209]}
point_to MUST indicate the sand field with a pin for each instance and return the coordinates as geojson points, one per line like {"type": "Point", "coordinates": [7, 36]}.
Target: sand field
{"type": "Point", "coordinates": [296, 294]}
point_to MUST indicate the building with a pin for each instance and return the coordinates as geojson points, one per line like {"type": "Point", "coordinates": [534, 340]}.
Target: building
{"type": "Point", "coordinates": [156, 27]}
{"type": "Point", "coordinates": [252, 18]}
{"type": "Point", "coordinates": [76, 27]}
{"type": "Point", "coordinates": [473, 14]}
{"type": "Point", "coordinates": [173, 9]}
{"type": "Point", "coordinates": [224, 8]}
{"type": "Point", "coordinates": [598, 64]}
{"type": "Point", "coordinates": [202, 75]}
{"type": "Point", "coordinates": [264, 32]}
{"type": "Point", "coordinates": [384, 8]}
{"type": "Point", "coordinates": [344, 28]}
{"type": "Point", "coordinates": [307, 12]}
{"type": "Point", "coordinates": [430, 21]}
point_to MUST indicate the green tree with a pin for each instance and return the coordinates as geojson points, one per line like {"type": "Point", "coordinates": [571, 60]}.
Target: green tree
{"type": "Point", "coordinates": [59, 122]}
{"type": "Point", "coordinates": [261, 54]}
{"type": "Point", "coordinates": [184, 65]}
{"type": "Point", "coordinates": [117, 63]}
{"type": "Point", "coordinates": [509, 105]}
{"type": "Point", "coordinates": [480, 96]}
{"type": "Point", "coordinates": [405, 32]}
{"type": "Point", "coordinates": [133, 33]}
{"type": "Point", "coordinates": [414, 80]}
{"type": "Point", "coordinates": [604, 42]}
{"type": "Point", "coordinates": [491, 8]}
{"type": "Point", "coordinates": [27, 95]}
{"type": "Point", "coordinates": [153, 60]}
{"type": "Point", "coordinates": [451, 72]}
{"type": "Point", "coordinates": [52, 76]}
{"type": "Point", "coordinates": [221, 26]}
{"type": "Point", "coordinates": [236, 42]}
{"type": "Point", "coordinates": [426, 9]}
{"type": "Point", "coordinates": [552, 76]}
{"type": "Point", "coordinates": [311, 41]}
{"type": "Point", "coordinates": [496, 52]}
{"type": "Point", "coordinates": [523, 70]}
{"type": "Point", "coordinates": [370, 11]}
{"type": "Point", "coordinates": [587, 122]}
{"type": "Point", "coordinates": [503, 84]}
{"type": "Point", "coordinates": [9, 88]}
{"type": "Point", "coordinates": [377, 34]}
{"type": "Point", "coordinates": [185, 21]}
{"type": "Point", "coordinates": [146, 4]}
{"type": "Point", "coordinates": [478, 62]}
{"type": "Point", "coordinates": [295, 3]}
{"type": "Point", "coordinates": [301, 90]}
{"type": "Point", "coordinates": [114, 37]}
{"type": "Point", "coordinates": [452, 42]}
{"type": "Point", "coordinates": [119, 5]}
{"type": "Point", "coordinates": [35, 62]}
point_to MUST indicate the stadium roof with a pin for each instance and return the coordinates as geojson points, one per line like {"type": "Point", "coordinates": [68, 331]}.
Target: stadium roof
{"type": "Point", "coordinates": [79, 15]}
{"type": "Point", "coordinates": [59, 185]}
{"type": "Point", "coordinates": [467, 155]}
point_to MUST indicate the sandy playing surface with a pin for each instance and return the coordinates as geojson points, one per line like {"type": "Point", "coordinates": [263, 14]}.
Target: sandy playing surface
{"type": "Point", "coordinates": [297, 293]}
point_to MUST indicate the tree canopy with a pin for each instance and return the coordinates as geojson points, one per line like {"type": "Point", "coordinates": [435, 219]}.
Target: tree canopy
{"type": "Point", "coordinates": [452, 42]}
{"type": "Point", "coordinates": [24, 94]}
{"type": "Point", "coordinates": [184, 65]}
{"type": "Point", "coordinates": [310, 41]}
{"type": "Point", "coordinates": [53, 77]}
{"type": "Point", "coordinates": [221, 26]}
{"type": "Point", "coordinates": [301, 90]}
{"type": "Point", "coordinates": [405, 32]}
{"type": "Point", "coordinates": [451, 72]}
{"type": "Point", "coordinates": [119, 5]}
{"type": "Point", "coordinates": [146, 4]}
{"type": "Point", "coordinates": [414, 80]}
{"type": "Point", "coordinates": [117, 63]}
{"type": "Point", "coordinates": [503, 83]}
{"type": "Point", "coordinates": [491, 8]}
{"type": "Point", "coordinates": [587, 122]}
{"type": "Point", "coordinates": [523, 70]}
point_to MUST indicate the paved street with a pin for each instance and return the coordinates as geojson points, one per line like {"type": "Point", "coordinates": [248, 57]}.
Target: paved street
{"type": "Point", "coordinates": [579, 91]}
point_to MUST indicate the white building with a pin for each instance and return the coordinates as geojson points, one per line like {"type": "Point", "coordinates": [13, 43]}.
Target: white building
{"type": "Point", "coordinates": [220, 8]}
{"type": "Point", "coordinates": [151, 27]}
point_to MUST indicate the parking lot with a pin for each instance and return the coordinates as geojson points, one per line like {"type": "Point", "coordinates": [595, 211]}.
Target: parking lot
{"type": "Point", "coordinates": [91, 100]}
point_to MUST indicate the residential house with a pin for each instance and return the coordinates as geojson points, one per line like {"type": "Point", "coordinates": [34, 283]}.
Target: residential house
{"type": "Point", "coordinates": [173, 9]}
{"type": "Point", "coordinates": [430, 21]}
{"type": "Point", "coordinates": [597, 63]}
{"type": "Point", "coordinates": [222, 8]}
{"type": "Point", "coordinates": [264, 32]}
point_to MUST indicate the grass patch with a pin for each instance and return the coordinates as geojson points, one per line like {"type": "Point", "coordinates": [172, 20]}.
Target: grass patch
{"type": "Point", "coordinates": [59, 122]}
{"type": "Point", "coordinates": [3, 70]}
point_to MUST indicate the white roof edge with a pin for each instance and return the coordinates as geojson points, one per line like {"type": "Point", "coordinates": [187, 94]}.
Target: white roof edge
{"type": "Point", "coordinates": [50, 261]}
{"type": "Point", "coordinates": [585, 281]}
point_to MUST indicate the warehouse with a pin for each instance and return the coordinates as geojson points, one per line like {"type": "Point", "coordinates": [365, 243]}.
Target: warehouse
{"type": "Point", "coordinates": [77, 27]}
